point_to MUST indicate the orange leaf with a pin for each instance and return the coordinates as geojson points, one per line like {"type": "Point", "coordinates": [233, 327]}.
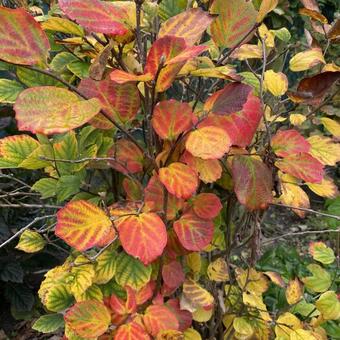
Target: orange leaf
{"type": "Point", "coordinates": [171, 118]}
{"type": "Point", "coordinates": [143, 236]}
{"type": "Point", "coordinates": [82, 225]}
{"type": "Point", "coordinates": [252, 182]}
{"type": "Point", "coordinates": [316, 15]}
{"type": "Point", "coordinates": [289, 142]}
{"type": "Point", "coordinates": [49, 109]}
{"type": "Point", "coordinates": [122, 77]}
{"type": "Point", "coordinates": [123, 307]}
{"type": "Point", "coordinates": [131, 331]}
{"type": "Point", "coordinates": [88, 318]}
{"type": "Point", "coordinates": [266, 7]}
{"type": "Point", "coordinates": [120, 102]}
{"type": "Point", "coordinates": [193, 232]}
{"type": "Point", "coordinates": [179, 180]}
{"type": "Point", "coordinates": [208, 142]}
{"type": "Point", "coordinates": [154, 198]}
{"type": "Point", "coordinates": [128, 157]}
{"type": "Point", "coordinates": [207, 206]}
{"type": "Point", "coordinates": [158, 318]}
{"type": "Point", "coordinates": [22, 41]}
{"type": "Point", "coordinates": [96, 16]}
{"type": "Point", "coordinates": [188, 25]}
{"type": "Point", "coordinates": [303, 166]}
{"type": "Point", "coordinates": [172, 274]}
{"type": "Point", "coordinates": [208, 170]}
{"type": "Point", "coordinates": [235, 19]}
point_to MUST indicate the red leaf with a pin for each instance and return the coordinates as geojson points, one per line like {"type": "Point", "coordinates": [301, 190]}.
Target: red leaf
{"type": "Point", "coordinates": [82, 225]}
{"type": "Point", "coordinates": [193, 232]}
{"type": "Point", "coordinates": [173, 275]}
{"type": "Point", "coordinates": [145, 293]}
{"type": "Point", "coordinates": [235, 19]}
{"type": "Point", "coordinates": [252, 182]}
{"type": "Point", "coordinates": [128, 157]}
{"type": "Point", "coordinates": [171, 118]}
{"type": "Point", "coordinates": [179, 180]}
{"type": "Point", "coordinates": [240, 126]}
{"type": "Point", "coordinates": [96, 16]}
{"type": "Point", "coordinates": [131, 331]}
{"type": "Point", "coordinates": [289, 142]}
{"type": "Point", "coordinates": [120, 102]}
{"type": "Point", "coordinates": [207, 206]}
{"type": "Point", "coordinates": [22, 41]}
{"type": "Point", "coordinates": [143, 236]}
{"type": "Point", "coordinates": [50, 109]}
{"type": "Point", "coordinates": [228, 100]}
{"type": "Point", "coordinates": [184, 317]}
{"type": "Point", "coordinates": [154, 198]}
{"type": "Point", "coordinates": [158, 318]}
{"type": "Point", "coordinates": [122, 307]}
{"type": "Point", "coordinates": [188, 25]}
{"type": "Point", "coordinates": [89, 317]}
{"type": "Point", "coordinates": [303, 166]}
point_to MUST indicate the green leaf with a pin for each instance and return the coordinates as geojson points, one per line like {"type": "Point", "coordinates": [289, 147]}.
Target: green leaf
{"type": "Point", "coordinates": [105, 267]}
{"type": "Point", "coordinates": [33, 78]}
{"type": "Point", "coordinates": [321, 253]}
{"type": "Point", "coordinates": [320, 281]}
{"type": "Point", "coordinates": [46, 187]}
{"type": "Point", "coordinates": [58, 298]}
{"type": "Point", "coordinates": [170, 8]}
{"type": "Point", "coordinates": [49, 323]}
{"type": "Point", "coordinates": [34, 161]}
{"type": "Point", "coordinates": [333, 208]}
{"type": "Point", "coordinates": [251, 80]}
{"type": "Point", "coordinates": [9, 90]}
{"type": "Point", "coordinates": [283, 34]}
{"type": "Point", "coordinates": [305, 309]}
{"type": "Point", "coordinates": [13, 272]}
{"type": "Point", "coordinates": [61, 60]}
{"type": "Point", "coordinates": [20, 296]}
{"type": "Point", "coordinates": [79, 68]}
{"type": "Point", "coordinates": [30, 242]}
{"type": "Point", "coordinates": [67, 186]}
{"type": "Point", "coordinates": [131, 272]}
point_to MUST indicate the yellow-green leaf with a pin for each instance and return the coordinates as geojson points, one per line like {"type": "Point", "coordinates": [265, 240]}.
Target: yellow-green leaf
{"type": "Point", "coordinates": [9, 90]}
{"type": "Point", "coordinates": [91, 293]}
{"type": "Point", "coordinates": [320, 281]}
{"type": "Point", "coordinates": [321, 253]}
{"type": "Point", "coordinates": [307, 59]}
{"type": "Point", "coordinates": [58, 298]}
{"type": "Point", "coordinates": [31, 242]}
{"type": "Point", "coordinates": [332, 126]}
{"type": "Point", "coordinates": [62, 25]}
{"type": "Point", "coordinates": [328, 305]}
{"type": "Point", "coordinates": [242, 327]}
{"type": "Point", "coordinates": [105, 267]}
{"type": "Point", "coordinates": [286, 324]}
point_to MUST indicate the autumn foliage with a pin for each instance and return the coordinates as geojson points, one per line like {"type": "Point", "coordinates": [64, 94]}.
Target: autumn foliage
{"type": "Point", "coordinates": [164, 133]}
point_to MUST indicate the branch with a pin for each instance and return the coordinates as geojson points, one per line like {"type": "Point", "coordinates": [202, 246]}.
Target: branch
{"type": "Point", "coordinates": [18, 233]}
{"type": "Point", "coordinates": [306, 210]}
{"type": "Point", "coordinates": [24, 205]}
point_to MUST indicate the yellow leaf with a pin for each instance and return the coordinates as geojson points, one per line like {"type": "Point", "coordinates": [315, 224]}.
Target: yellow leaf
{"type": "Point", "coordinates": [300, 334]}
{"type": "Point", "coordinates": [242, 327]}
{"type": "Point", "coordinates": [294, 291]}
{"type": "Point", "coordinates": [293, 195]}
{"type": "Point", "coordinates": [202, 314]}
{"type": "Point", "coordinates": [218, 270]}
{"type": "Point", "coordinates": [331, 68]}
{"type": "Point", "coordinates": [91, 293]}
{"type": "Point", "coordinates": [247, 51]}
{"type": "Point", "coordinates": [251, 281]}
{"type": "Point", "coordinates": [327, 188]}
{"type": "Point", "coordinates": [324, 149]}
{"type": "Point", "coordinates": [266, 7]}
{"type": "Point", "coordinates": [197, 295]}
{"type": "Point", "coordinates": [328, 305]}
{"type": "Point", "coordinates": [62, 25]}
{"type": "Point", "coordinates": [223, 72]}
{"type": "Point", "coordinates": [307, 59]}
{"type": "Point", "coordinates": [276, 83]}
{"type": "Point", "coordinates": [191, 334]}
{"type": "Point", "coordinates": [267, 36]}
{"type": "Point", "coordinates": [332, 126]}
{"type": "Point", "coordinates": [297, 119]}
{"type": "Point", "coordinates": [276, 278]}
{"type": "Point", "coordinates": [257, 303]}
{"type": "Point", "coordinates": [30, 242]}
{"type": "Point", "coordinates": [286, 324]}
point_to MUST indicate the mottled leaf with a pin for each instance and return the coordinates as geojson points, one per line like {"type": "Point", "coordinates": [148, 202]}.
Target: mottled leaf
{"type": "Point", "coordinates": [294, 291]}
{"type": "Point", "coordinates": [218, 270]}
{"type": "Point", "coordinates": [30, 242]}
{"type": "Point", "coordinates": [324, 149]}
{"type": "Point", "coordinates": [197, 295]}
{"type": "Point", "coordinates": [132, 331]}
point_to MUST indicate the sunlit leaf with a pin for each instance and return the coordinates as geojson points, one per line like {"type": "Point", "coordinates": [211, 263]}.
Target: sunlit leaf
{"type": "Point", "coordinates": [82, 225]}
{"type": "Point", "coordinates": [22, 41]}
{"type": "Point", "coordinates": [321, 253]}
{"type": "Point", "coordinates": [328, 305]}
{"type": "Point", "coordinates": [287, 142]}
{"type": "Point", "coordinates": [143, 236]}
{"type": "Point", "coordinates": [179, 180]}
{"type": "Point", "coordinates": [235, 19]}
{"type": "Point", "coordinates": [31, 242]}
{"type": "Point", "coordinates": [189, 25]}
{"type": "Point", "coordinates": [266, 7]}
{"type": "Point", "coordinates": [297, 119]}
{"type": "Point", "coordinates": [303, 166]}
{"type": "Point", "coordinates": [286, 324]}
{"type": "Point", "coordinates": [294, 291]}
{"type": "Point", "coordinates": [252, 281]}
{"type": "Point", "coordinates": [327, 188]}
{"type": "Point", "coordinates": [49, 110]}
{"type": "Point", "coordinates": [88, 318]}
{"type": "Point", "coordinates": [206, 205]}
{"type": "Point", "coordinates": [252, 182]}
{"type": "Point", "coordinates": [94, 15]}
{"type": "Point", "coordinates": [193, 232]}
{"type": "Point", "coordinates": [324, 149]}
{"type": "Point", "coordinates": [120, 101]}
{"type": "Point", "coordinates": [171, 118]}
{"type": "Point", "coordinates": [247, 51]}
{"type": "Point", "coordinates": [275, 83]}
{"type": "Point", "coordinates": [131, 272]}
{"type": "Point", "coordinates": [268, 37]}
{"type": "Point", "coordinates": [208, 142]}
{"type": "Point", "coordinates": [197, 295]}
{"type": "Point", "coordinates": [306, 60]}
{"type": "Point", "coordinates": [320, 280]}
{"type": "Point", "coordinates": [331, 125]}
